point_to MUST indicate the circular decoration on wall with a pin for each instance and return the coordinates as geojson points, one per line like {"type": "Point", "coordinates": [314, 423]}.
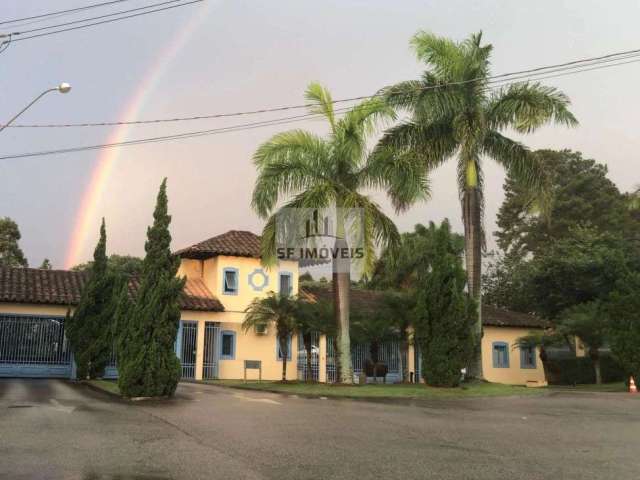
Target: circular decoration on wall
{"type": "Point", "coordinates": [258, 279]}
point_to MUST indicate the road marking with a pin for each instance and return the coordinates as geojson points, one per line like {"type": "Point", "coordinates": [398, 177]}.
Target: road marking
{"type": "Point", "coordinates": [56, 405]}
{"type": "Point", "coordinates": [251, 399]}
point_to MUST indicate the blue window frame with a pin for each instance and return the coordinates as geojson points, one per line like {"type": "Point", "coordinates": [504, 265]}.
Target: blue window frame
{"type": "Point", "coordinates": [285, 283]}
{"type": "Point", "coordinates": [230, 281]}
{"type": "Point", "coordinates": [228, 345]}
{"type": "Point", "coordinates": [279, 352]}
{"type": "Point", "coordinates": [500, 352]}
{"type": "Point", "coordinates": [528, 357]}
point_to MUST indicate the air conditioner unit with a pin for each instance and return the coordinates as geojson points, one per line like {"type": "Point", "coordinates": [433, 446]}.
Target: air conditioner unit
{"type": "Point", "coordinates": [261, 329]}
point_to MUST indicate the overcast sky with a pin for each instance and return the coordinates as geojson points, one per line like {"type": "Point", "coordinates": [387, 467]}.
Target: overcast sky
{"type": "Point", "coordinates": [252, 54]}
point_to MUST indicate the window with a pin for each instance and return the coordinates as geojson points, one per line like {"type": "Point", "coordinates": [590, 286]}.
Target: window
{"type": "Point", "coordinates": [500, 355]}
{"type": "Point", "coordinates": [230, 281]}
{"type": "Point", "coordinates": [228, 347]}
{"type": "Point", "coordinates": [285, 284]}
{"type": "Point", "coordinates": [288, 348]}
{"type": "Point", "coordinates": [527, 357]}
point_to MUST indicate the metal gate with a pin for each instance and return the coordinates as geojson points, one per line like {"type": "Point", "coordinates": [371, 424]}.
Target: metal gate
{"type": "Point", "coordinates": [189, 345]}
{"type": "Point", "coordinates": [211, 349]}
{"type": "Point", "coordinates": [331, 361]}
{"type": "Point", "coordinates": [34, 346]}
{"type": "Point", "coordinates": [315, 358]}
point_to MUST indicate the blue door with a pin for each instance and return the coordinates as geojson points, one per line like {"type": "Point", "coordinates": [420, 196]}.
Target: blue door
{"type": "Point", "coordinates": [34, 346]}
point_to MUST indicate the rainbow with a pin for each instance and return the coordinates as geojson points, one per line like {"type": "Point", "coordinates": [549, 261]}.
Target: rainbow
{"type": "Point", "coordinates": [86, 219]}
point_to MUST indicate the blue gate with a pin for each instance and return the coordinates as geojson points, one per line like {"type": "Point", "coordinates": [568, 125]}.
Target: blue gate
{"type": "Point", "coordinates": [188, 348]}
{"type": "Point", "coordinates": [211, 350]}
{"type": "Point", "coordinates": [34, 346]}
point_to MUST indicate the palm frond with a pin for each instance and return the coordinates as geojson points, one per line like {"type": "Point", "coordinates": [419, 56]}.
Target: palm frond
{"type": "Point", "coordinates": [323, 103]}
{"type": "Point", "coordinates": [288, 162]}
{"type": "Point", "coordinates": [527, 106]}
{"type": "Point", "coordinates": [434, 143]}
{"type": "Point", "coordinates": [401, 174]}
{"type": "Point", "coordinates": [519, 162]}
{"type": "Point", "coordinates": [443, 55]}
{"type": "Point", "coordinates": [377, 229]}
{"type": "Point", "coordinates": [318, 196]}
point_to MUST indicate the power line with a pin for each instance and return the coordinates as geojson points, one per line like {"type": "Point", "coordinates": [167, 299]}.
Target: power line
{"type": "Point", "coordinates": [60, 12]}
{"type": "Point", "coordinates": [44, 34]}
{"type": "Point", "coordinates": [239, 127]}
{"type": "Point", "coordinates": [74, 22]}
{"type": "Point", "coordinates": [537, 73]}
{"type": "Point", "coordinates": [163, 138]}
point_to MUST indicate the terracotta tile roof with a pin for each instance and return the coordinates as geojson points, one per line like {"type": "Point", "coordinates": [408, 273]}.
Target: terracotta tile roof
{"type": "Point", "coordinates": [368, 301]}
{"type": "Point", "coordinates": [238, 243]}
{"type": "Point", "coordinates": [499, 317]}
{"type": "Point", "coordinates": [64, 287]}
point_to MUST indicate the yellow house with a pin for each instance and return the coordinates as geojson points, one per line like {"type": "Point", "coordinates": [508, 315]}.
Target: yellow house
{"type": "Point", "coordinates": [224, 274]}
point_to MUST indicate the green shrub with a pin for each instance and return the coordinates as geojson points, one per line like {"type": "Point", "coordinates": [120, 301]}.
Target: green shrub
{"type": "Point", "coordinates": [579, 370]}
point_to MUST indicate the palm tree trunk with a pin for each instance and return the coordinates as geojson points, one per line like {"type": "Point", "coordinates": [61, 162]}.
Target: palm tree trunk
{"type": "Point", "coordinates": [404, 353]}
{"type": "Point", "coordinates": [285, 355]}
{"type": "Point", "coordinates": [473, 258]}
{"type": "Point", "coordinates": [341, 287]}
{"type": "Point", "coordinates": [595, 359]}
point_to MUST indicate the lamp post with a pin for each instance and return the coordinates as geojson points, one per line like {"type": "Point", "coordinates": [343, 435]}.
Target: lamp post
{"type": "Point", "coordinates": [62, 88]}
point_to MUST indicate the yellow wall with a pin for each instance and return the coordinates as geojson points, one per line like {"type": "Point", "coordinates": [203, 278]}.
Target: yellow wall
{"type": "Point", "coordinates": [34, 309]}
{"type": "Point", "coordinates": [249, 346]}
{"type": "Point", "coordinates": [513, 375]}
{"type": "Point", "coordinates": [211, 271]}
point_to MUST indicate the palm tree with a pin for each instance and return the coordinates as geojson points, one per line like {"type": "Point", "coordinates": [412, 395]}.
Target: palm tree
{"type": "Point", "coordinates": [455, 114]}
{"type": "Point", "coordinates": [330, 172]}
{"type": "Point", "coordinates": [279, 310]}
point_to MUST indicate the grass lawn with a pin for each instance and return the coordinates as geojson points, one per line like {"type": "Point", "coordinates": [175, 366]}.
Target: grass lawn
{"type": "Point", "coordinates": [605, 387]}
{"type": "Point", "coordinates": [383, 391]}
{"type": "Point", "coordinates": [110, 386]}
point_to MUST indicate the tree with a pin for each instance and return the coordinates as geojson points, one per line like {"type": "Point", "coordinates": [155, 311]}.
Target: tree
{"type": "Point", "coordinates": [454, 112]}
{"type": "Point", "coordinates": [507, 282]}
{"type": "Point", "coordinates": [122, 264]}
{"type": "Point", "coordinates": [279, 310]}
{"type": "Point", "coordinates": [10, 253]}
{"type": "Point", "coordinates": [444, 314]}
{"type": "Point", "coordinates": [89, 329]}
{"type": "Point", "coordinates": [305, 277]}
{"type": "Point", "coordinates": [624, 323]}
{"type": "Point", "coordinates": [331, 172]}
{"type": "Point", "coordinates": [579, 194]}
{"type": "Point", "coordinates": [398, 267]}
{"type": "Point", "coordinates": [588, 322]}
{"type": "Point", "coordinates": [147, 363]}
{"type": "Point", "coordinates": [579, 269]}
{"type": "Point", "coordinates": [45, 265]}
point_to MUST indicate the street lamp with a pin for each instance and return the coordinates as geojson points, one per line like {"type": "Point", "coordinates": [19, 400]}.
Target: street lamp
{"type": "Point", "coordinates": [62, 88]}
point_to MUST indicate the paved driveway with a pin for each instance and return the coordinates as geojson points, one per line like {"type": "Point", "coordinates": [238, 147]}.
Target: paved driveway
{"type": "Point", "coordinates": [55, 429]}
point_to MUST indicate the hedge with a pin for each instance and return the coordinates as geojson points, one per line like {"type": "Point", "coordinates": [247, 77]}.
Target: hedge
{"type": "Point", "coordinates": [579, 370]}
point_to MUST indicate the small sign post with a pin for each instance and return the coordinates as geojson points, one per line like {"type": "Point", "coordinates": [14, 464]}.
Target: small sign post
{"type": "Point", "coordinates": [253, 365]}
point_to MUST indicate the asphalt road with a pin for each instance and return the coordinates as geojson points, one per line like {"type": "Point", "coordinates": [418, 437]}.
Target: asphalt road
{"type": "Point", "coordinates": [55, 429]}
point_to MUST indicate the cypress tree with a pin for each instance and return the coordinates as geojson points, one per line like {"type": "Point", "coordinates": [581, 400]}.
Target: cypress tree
{"type": "Point", "coordinates": [89, 329]}
{"type": "Point", "coordinates": [445, 313]}
{"type": "Point", "coordinates": [148, 365]}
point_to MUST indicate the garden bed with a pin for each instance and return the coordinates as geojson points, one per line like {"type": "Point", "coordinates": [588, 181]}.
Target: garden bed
{"type": "Point", "coordinates": [389, 391]}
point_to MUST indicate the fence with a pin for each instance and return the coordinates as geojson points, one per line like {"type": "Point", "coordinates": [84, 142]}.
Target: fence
{"type": "Point", "coordinates": [315, 358]}
{"type": "Point", "coordinates": [388, 353]}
